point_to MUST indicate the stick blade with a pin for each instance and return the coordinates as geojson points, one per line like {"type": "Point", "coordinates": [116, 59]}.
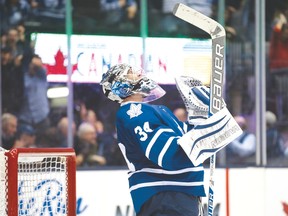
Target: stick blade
{"type": "Point", "coordinates": [213, 28]}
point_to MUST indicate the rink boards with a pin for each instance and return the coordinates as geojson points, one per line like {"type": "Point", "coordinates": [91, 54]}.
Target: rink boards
{"type": "Point", "coordinates": [238, 192]}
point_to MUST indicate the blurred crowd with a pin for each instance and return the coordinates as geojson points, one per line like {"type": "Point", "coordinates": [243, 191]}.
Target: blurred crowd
{"type": "Point", "coordinates": [123, 16]}
{"type": "Point", "coordinates": [29, 121]}
{"type": "Point", "coordinates": [114, 16]}
{"type": "Point", "coordinates": [27, 118]}
{"type": "Point", "coordinates": [93, 145]}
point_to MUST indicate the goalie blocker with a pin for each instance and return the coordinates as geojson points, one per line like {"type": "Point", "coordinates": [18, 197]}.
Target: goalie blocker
{"type": "Point", "coordinates": [210, 136]}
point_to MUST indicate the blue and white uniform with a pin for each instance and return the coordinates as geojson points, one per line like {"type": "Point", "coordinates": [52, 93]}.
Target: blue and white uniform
{"type": "Point", "coordinates": [147, 136]}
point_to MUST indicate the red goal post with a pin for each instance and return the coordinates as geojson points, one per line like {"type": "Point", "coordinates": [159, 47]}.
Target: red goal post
{"type": "Point", "coordinates": [38, 181]}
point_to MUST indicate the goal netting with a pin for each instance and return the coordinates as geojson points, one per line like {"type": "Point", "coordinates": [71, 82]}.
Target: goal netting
{"type": "Point", "coordinates": [38, 182]}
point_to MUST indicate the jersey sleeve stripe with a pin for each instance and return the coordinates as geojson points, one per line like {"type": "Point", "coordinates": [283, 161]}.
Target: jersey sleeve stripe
{"type": "Point", "coordinates": [168, 172]}
{"type": "Point", "coordinates": [152, 141]}
{"type": "Point", "coordinates": [179, 128]}
{"type": "Point", "coordinates": [164, 150]}
{"type": "Point", "coordinates": [161, 183]}
{"type": "Point", "coordinates": [185, 128]}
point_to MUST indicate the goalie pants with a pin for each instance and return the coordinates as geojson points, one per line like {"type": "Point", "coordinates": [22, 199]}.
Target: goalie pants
{"type": "Point", "coordinates": [170, 203]}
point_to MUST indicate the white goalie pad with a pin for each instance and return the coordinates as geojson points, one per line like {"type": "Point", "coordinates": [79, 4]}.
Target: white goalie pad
{"type": "Point", "coordinates": [210, 136]}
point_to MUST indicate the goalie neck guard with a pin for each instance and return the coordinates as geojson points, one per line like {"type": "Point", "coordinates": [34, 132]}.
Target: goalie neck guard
{"type": "Point", "coordinates": [123, 80]}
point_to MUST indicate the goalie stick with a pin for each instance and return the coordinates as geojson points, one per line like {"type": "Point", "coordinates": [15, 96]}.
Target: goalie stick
{"type": "Point", "coordinates": [218, 36]}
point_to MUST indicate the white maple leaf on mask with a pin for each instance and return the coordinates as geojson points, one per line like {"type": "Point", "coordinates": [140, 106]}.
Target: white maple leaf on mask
{"type": "Point", "coordinates": [135, 110]}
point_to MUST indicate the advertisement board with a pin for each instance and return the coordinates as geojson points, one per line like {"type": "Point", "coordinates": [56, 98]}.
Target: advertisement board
{"type": "Point", "coordinates": [91, 55]}
{"type": "Point", "coordinates": [106, 193]}
{"type": "Point", "coordinates": [238, 192]}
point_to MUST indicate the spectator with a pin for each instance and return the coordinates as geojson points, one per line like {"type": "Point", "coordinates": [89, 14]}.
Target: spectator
{"type": "Point", "coordinates": [26, 136]}
{"type": "Point", "coordinates": [285, 147]}
{"type": "Point", "coordinates": [14, 12]}
{"type": "Point", "coordinates": [242, 150]}
{"type": "Point", "coordinates": [167, 23]}
{"type": "Point", "coordinates": [62, 132]}
{"type": "Point", "coordinates": [91, 117]}
{"type": "Point", "coordinates": [279, 47]}
{"type": "Point", "coordinates": [57, 136]}
{"type": "Point", "coordinates": [107, 141]}
{"type": "Point", "coordinates": [13, 41]}
{"type": "Point", "coordinates": [47, 138]}
{"type": "Point", "coordinates": [24, 45]}
{"type": "Point", "coordinates": [234, 18]}
{"type": "Point", "coordinates": [119, 13]}
{"type": "Point", "coordinates": [278, 60]}
{"type": "Point", "coordinates": [48, 11]}
{"type": "Point", "coordinates": [86, 147]}
{"type": "Point", "coordinates": [21, 33]}
{"type": "Point", "coordinates": [113, 154]}
{"type": "Point", "coordinates": [9, 131]}
{"type": "Point", "coordinates": [11, 82]}
{"type": "Point", "coordinates": [2, 15]}
{"type": "Point", "coordinates": [35, 106]}
{"type": "Point", "coordinates": [284, 134]}
{"type": "Point", "coordinates": [4, 39]}
{"type": "Point", "coordinates": [181, 114]}
{"type": "Point", "coordinates": [274, 139]}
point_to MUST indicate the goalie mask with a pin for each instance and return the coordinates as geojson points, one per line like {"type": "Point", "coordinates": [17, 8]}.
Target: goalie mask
{"type": "Point", "coordinates": [123, 80]}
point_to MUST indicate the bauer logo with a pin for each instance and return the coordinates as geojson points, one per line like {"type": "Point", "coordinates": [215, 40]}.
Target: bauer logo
{"type": "Point", "coordinates": [46, 198]}
{"type": "Point", "coordinates": [217, 74]}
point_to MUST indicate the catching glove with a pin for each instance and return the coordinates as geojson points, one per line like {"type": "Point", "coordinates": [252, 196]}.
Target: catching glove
{"type": "Point", "coordinates": [195, 97]}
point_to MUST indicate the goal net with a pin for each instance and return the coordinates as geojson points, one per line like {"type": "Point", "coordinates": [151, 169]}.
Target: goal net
{"type": "Point", "coordinates": [38, 182]}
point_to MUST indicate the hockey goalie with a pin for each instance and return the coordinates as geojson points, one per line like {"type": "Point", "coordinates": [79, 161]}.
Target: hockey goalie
{"type": "Point", "coordinates": [162, 179]}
